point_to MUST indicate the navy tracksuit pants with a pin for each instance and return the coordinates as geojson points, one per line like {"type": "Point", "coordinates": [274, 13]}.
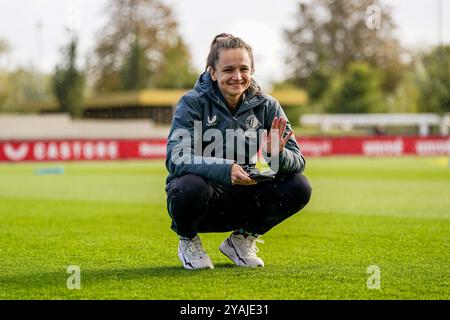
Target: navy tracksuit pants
{"type": "Point", "coordinates": [198, 205]}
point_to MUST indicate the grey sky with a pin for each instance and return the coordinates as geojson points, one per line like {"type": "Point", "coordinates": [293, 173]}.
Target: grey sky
{"type": "Point", "coordinates": [260, 22]}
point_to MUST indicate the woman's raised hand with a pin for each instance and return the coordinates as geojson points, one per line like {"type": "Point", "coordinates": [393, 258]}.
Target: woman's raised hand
{"type": "Point", "coordinates": [275, 140]}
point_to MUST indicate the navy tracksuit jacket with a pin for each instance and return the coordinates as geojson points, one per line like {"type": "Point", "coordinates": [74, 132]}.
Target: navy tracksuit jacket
{"type": "Point", "coordinates": [200, 195]}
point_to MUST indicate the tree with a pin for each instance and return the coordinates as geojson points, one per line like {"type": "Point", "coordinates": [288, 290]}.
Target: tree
{"type": "Point", "coordinates": [68, 81]}
{"type": "Point", "coordinates": [135, 71]}
{"type": "Point", "coordinates": [176, 71]}
{"type": "Point", "coordinates": [133, 46]}
{"type": "Point", "coordinates": [3, 91]}
{"type": "Point", "coordinates": [331, 34]}
{"type": "Point", "coordinates": [4, 47]}
{"type": "Point", "coordinates": [357, 91]}
{"type": "Point", "coordinates": [21, 86]}
{"type": "Point", "coordinates": [435, 80]}
{"type": "Point", "coordinates": [406, 98]}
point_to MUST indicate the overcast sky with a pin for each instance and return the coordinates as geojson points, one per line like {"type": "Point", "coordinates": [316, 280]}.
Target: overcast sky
{"type": "Point", "coordinates": [259, 22]}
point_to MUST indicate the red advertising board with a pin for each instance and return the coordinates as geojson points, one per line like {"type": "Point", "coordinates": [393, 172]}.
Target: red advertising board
{"type": "Point", "coordinates": [376, 146]}
{"type": "Point", "coordinates": [78, 150]}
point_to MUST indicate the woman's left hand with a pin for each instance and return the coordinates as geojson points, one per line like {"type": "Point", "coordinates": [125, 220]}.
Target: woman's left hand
{"type": "Point", "coordinates": [276, 136]}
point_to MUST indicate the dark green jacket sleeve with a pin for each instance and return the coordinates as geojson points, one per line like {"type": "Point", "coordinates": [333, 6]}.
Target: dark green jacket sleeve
{"type": "Point", "coordinates": [184, 148]}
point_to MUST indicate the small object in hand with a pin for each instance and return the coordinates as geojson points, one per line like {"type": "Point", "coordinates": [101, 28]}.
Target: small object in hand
{"type": "Point", "coordinates": [258, 176]}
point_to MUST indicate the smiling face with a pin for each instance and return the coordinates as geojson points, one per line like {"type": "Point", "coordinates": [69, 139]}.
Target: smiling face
{"type": "Point", "coordinates": [233, 73]}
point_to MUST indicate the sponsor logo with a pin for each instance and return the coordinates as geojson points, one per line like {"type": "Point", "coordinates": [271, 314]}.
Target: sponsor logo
{"type": "Point", "coordinates": [75, 150]}
{"type": "Point", "coordinates": [152, 150]}
{"type": "Point", "coordinates": [15, 154]}
{"type": "Point", "coordinates": [62, 150]}
{"type": "Point", "coordinates": [433, 147]}
{"type": "Point", "coordinates": [211, 121]}
{"type": "Point", "coordinates": [383, 148]}
{"type": "Point", "coordinates": [315, 148]}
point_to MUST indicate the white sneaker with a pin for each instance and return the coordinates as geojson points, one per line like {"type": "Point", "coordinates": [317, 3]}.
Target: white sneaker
{"type": "Point", "coordinates": [242, 250]}
{"type": "Point", "coordinates": [192, 254]}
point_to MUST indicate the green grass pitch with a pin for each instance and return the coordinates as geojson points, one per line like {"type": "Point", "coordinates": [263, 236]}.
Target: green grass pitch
{"type": "Point", "coordinates": [109, 218]}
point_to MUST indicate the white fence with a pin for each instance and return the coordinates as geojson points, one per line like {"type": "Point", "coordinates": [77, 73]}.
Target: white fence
{"type": "Point", "coordinates": [347, 122]}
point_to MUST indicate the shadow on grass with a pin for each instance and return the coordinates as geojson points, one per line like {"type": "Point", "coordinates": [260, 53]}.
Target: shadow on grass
{"type": "Point", "coordinates": [59, 278]}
